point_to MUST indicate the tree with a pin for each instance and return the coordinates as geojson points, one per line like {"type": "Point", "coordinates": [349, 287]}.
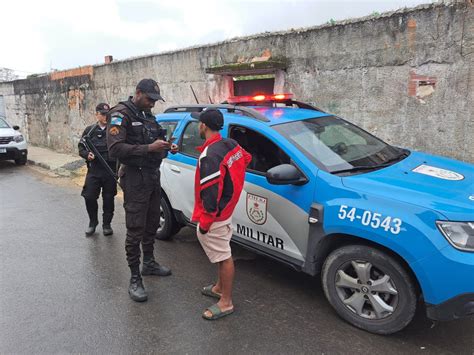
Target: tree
{"type": "Point", "coordinates": [7, 74]}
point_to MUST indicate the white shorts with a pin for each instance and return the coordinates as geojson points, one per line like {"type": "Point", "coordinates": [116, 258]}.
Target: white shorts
{"type": "Point", "coordinates": [216, 242]}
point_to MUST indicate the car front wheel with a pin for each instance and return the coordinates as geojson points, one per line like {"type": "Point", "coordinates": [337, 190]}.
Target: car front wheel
{"type": "Point", "coordinates": [168, 224]}
{"type": "Point", "coordinates": [21, 161]}
{"type": "Point", "coordinates": [369, 288]}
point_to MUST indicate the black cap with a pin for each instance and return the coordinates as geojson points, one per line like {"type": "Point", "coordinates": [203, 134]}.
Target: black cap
{"type": "Point", "coordinates": [102, 108]}
{"type": "Point", "coordinates": [150, 88]}
{"type": "Point", "coordinates": [211, 117]}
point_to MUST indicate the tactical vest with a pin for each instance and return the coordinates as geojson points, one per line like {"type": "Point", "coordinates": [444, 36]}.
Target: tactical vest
{"type": "Point", "coordinates": [98, 138]}
{"type": "Point", "coordinates": [142, 129]}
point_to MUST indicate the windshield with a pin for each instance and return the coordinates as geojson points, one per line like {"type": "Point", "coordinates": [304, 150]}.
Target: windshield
{"type": "Point", "coordinates": [3, 124]}
{"type": "Point", "coordinates": [336, 144]}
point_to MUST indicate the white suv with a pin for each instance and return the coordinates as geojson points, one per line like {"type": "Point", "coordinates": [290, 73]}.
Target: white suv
{"type": "Point", "coordinates": [12, 144]}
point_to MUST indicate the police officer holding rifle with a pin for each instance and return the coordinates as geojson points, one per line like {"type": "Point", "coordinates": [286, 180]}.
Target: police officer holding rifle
{"type": "Point", "coordinates": [100, 172]}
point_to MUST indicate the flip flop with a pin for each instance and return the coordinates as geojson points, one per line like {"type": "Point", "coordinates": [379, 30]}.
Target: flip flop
{"type": "Point", "coordinates": [216, 312]}
{"type": "Point", "coordinates": [207, 291]}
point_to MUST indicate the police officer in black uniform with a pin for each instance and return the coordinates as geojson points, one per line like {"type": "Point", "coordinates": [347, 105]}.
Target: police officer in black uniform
{"type": "Point", "coordinates": [98, 177]}
{"type": "Point", "coordinates": [139, 143]}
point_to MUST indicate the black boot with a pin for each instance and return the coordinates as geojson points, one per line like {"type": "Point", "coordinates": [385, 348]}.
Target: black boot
{"type": "Point", "coordinates": [107, 218]}
{"type": "Point", "coordinates": [151, 267]}
{"type": "Point", "coordinates": [136, 290]}
{"type": "Point", "coordinates": [91, 229]}
{"type": "Point", "coordinates": [107, 229]}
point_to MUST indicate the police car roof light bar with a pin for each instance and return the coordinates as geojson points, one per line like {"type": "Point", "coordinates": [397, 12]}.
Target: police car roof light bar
{"type": "Point", "coordinates": [285, 99]}
{"type": "Point", "coordinates": [246, 111]}
{"type": "Point", "coordinates": [259, 98]}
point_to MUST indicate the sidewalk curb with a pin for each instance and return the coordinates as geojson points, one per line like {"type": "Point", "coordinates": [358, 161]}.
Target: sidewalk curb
{"type": "Point", "coordinates": [59, 171]}
{"type": "Point", "coordinates": [41, 165]}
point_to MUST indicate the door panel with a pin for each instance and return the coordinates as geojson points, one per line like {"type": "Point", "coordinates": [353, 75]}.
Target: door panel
{"type": "Point", "coordinates": [179, 170]}
{"type": "Point", "coordinates": [272, 216]}
{"type": "Point", "coordinates": [277, 223]}
{"type": "Point", "coordinates": [179, 174]}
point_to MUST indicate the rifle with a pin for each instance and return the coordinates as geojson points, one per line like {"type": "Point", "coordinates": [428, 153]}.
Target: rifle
{"type": "Point", "coordinates": [91, 148]}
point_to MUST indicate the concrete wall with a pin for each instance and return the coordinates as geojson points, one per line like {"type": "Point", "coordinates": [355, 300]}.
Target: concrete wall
{"type": "Point", "coordinates": [405, 76]}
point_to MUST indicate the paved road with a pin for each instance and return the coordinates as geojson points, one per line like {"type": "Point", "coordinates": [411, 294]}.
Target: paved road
{"type": "Point", "coordinates": [63, 293]}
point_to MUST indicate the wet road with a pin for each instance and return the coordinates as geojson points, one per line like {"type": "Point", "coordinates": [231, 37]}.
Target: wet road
{"type": "Point", "coordinates": [64, 293]}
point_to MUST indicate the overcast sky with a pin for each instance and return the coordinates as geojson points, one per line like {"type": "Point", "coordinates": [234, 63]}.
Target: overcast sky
{"type": "Point", "coordinates": [39, 35]}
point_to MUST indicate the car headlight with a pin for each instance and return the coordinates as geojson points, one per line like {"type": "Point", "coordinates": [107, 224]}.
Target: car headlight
{"type": "Point", "coordinates": [459, 234]}
{"type": "Point", "coordinates": [18, 138]}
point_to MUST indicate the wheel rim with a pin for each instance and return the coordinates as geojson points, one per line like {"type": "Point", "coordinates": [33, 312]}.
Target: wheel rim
{"type": "Point", "coordinates": [162, 219]}
{"type": "Point", "coordinates": [366, 290]}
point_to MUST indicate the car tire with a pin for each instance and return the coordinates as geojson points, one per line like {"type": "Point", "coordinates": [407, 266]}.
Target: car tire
{"type": "Point", "coordinates": [169, 226]}
{"type": "Point", "coordinates": [370, 271]}
{"type": "Point", "coordinates": [21, 161]}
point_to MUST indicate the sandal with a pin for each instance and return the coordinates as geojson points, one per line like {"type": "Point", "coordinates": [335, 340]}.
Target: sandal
{"type": "Point", "coordinates": [207, 291]}
{"type": "Point", "coordinates": [216, 312]}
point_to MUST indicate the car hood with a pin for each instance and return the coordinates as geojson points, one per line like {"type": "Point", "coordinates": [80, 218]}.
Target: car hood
{"type": "Point", "coordinates": [441, 184]}
{"type": "Point", "coordinates": [8, 132]}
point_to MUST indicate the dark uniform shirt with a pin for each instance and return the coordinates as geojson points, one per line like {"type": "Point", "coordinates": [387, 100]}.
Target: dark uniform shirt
{"type": "Point", "coordinates": [98, 137]}
{"type": "Point", "coordinates": [129, 133]}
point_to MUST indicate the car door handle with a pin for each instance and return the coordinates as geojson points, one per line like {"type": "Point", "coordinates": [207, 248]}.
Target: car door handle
{"type": "Point", "coordinates": [175, 169]}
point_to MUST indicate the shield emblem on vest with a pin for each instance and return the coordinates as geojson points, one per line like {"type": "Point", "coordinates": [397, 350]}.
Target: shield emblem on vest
{"type": "Point", "coordinates": [257, 208]}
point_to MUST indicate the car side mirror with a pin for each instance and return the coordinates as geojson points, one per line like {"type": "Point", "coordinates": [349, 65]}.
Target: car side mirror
{"type": "Point", "coordinates": [285, 174]}
{"type": "Point", "coordinates": [16, 128]}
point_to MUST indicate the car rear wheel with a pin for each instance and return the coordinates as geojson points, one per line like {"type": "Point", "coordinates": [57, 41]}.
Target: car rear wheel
{"type": "Point", "coordinates": [169, 226]}
{"type": "Point", "coordinates": [369, 289]}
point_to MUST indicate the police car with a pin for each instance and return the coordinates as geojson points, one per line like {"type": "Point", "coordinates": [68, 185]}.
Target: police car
{"type": "Point", "coordinates": [384, 226]}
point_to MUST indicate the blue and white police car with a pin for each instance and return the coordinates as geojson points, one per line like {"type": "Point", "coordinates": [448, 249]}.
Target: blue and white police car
{"type": "Point", "coordinates": [384, 226]}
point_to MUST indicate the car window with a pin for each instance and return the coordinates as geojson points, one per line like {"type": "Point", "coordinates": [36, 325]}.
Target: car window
{"type": "Point", "coordinates": [265, 153]}
{"type": "Point", "coordinates": [332, 135]}
{"type": "Point", "coordinates": [3, 124]}
{"type": "Point", "coordinates": [170, 126]}
{"type": "Point", "coordinates": [191, 140]}
{"type": "Point", "coordinates": [336, 144]}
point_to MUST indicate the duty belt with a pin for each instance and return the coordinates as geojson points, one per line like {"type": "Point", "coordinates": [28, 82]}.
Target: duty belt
{"type": "Point", "coordinates": [145, 168]}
